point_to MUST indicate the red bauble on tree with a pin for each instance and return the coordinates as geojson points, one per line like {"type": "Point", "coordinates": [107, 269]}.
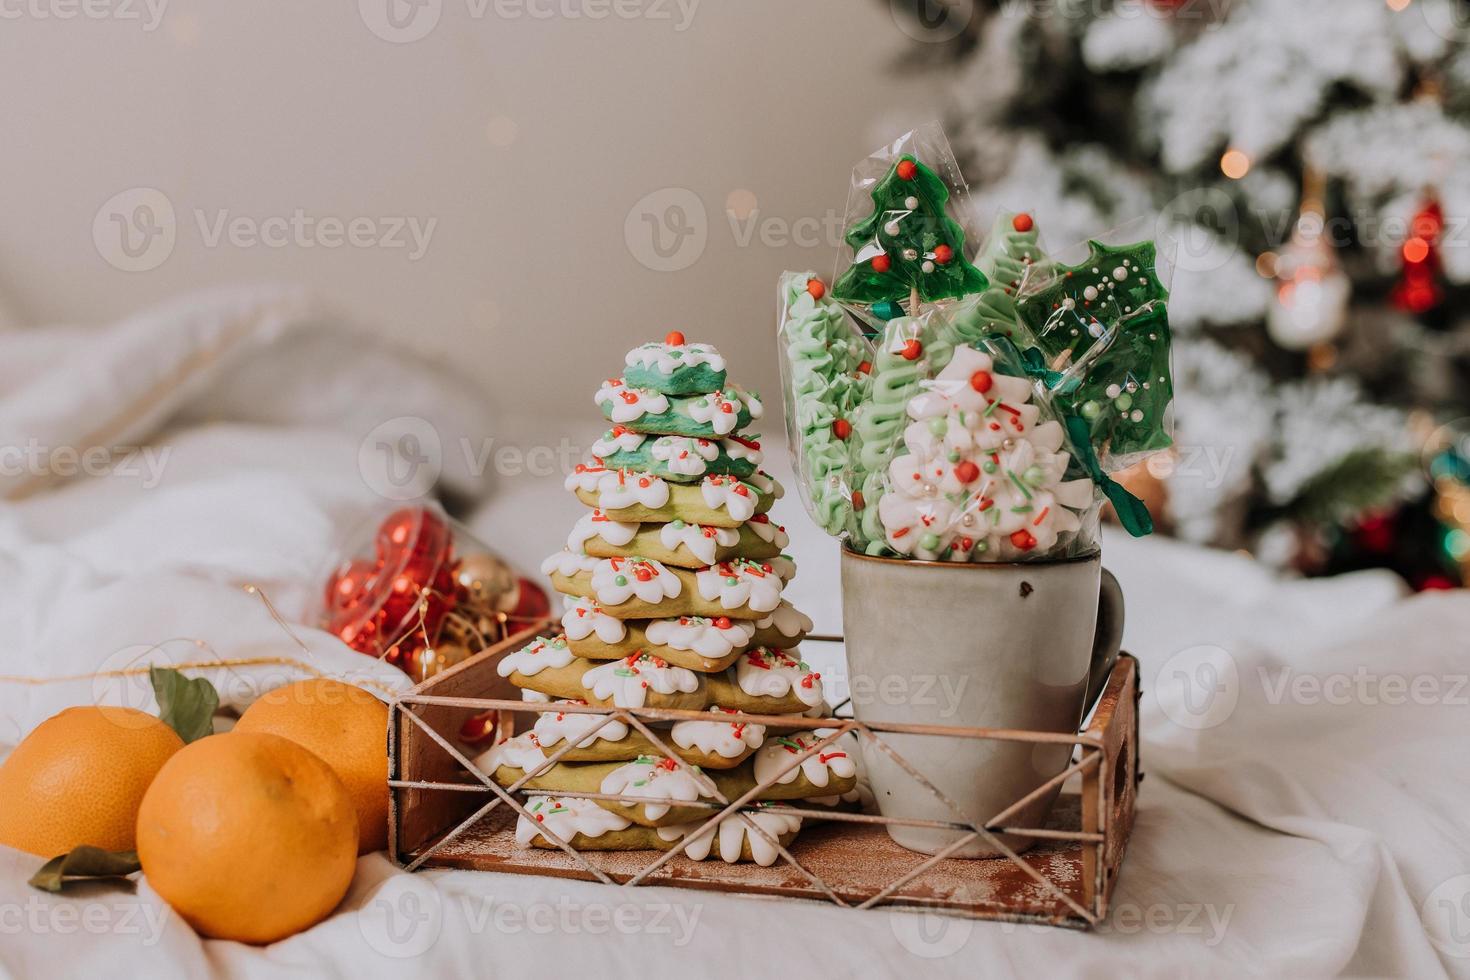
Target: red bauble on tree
{"type": "Point", "coordinates": [1418, 289]}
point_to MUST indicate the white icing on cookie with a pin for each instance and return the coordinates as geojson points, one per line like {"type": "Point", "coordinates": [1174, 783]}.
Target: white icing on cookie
{"type": "Point", "coordinates": [522, 752]}
{"type": "Point", "coordinates": [585, 616]}
{"type": "Point", "coordinates": [624, 404]}
{"type": "Point", "coordinates": [788, 620]}
{"type": "Point", "coordinates": [660, 779]}
{"type": "Point", "coordinates": [566, 816]}
{"type": "Point", "coordinates": [818, 768]}
{"type": "Point", "coordinates": [627, 682]}
{"type": "Point", "coordinates": [983, 477]}
{"type": "Point", "coordinates": [729, 494]}
{"type": "Point", "coordinates": [568, 563]}
{"type": "Point", "coordinates": [618, 439]}
{"type": "Point", "coordinates": [618, 488]}
{"type": "Point", "coordinates": [702, 541]}
{"type": "Point", "coordinates": [767, 672]}
{"type": "Point", "coordinates": [719, 409]}
{"type": "Point", "coordinates": [740, 583]}
{"type": "Point", "coordinates": [766, 484]}
{"type": "Point", "coordinates": [768, 530]}
{"type": "Point", "coordinates": [734, 833]}
{"type": "Point", "coordinates": [728, 739]}
{"type": "Point", "coordinates": [534, 697]}
{"type": "Point", "coordinates": [532, 659]}
{"type": "Point", "coordinates": [616, 580]}
{"type": "Point", "coordinates": [554, 726]}
{"type": "Point", "coordinates": [599, 525]}
{"type": "Point", "coordinates": [685, 455]}
{"type": "Point", "coordinates": [668, 358]}
{"type": "Point", "coordinates": [737, 447]}
{"type": "Point", "coordinates": [712, 638]}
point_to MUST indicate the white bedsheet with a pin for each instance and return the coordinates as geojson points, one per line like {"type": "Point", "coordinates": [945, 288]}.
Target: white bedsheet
{"type": "Point", "coordinates": [1295, 820]}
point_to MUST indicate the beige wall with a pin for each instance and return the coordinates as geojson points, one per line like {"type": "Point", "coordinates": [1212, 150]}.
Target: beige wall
{"type": "Point", "coordinates": [526, 141]}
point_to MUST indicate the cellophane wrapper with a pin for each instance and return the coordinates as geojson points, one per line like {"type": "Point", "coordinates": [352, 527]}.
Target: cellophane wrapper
{"type": "Point", "coordinates": [821, 354]}
{"type": "Point", "coordinates": [1097, 313]}
{"type": "Point", "coordinates": [959, 454]}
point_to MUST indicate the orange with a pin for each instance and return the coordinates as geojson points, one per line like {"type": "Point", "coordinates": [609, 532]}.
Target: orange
{"type": "Point", "coordinates": [348, 728]}
{"type": "Point", "coordinates": [79, 777]}
{"type": "Point", "coordinates": [248, 836]}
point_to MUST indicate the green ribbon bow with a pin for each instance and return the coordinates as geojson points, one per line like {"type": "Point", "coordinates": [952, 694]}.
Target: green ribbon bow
{"type": "Point", "coordinates": [1132, 513]}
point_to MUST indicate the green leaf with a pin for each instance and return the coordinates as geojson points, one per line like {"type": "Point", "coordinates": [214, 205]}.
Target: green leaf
{"type": "Point", "coordinates": [1362, 480]}
{"type": "Point", "coordinates": [186, 705]}
{"type": "Point", "coordinates": [85, 861]}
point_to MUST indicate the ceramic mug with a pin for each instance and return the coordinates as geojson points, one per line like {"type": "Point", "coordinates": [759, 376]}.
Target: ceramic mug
{"type": "Point", "coordinates": [1023, 645]}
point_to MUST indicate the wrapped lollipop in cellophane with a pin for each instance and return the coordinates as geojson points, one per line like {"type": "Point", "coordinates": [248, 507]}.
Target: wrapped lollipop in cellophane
{"type": "Point", "coordinates": [962, 457]}
{"type": "Point", "coordinates": [824, 362]}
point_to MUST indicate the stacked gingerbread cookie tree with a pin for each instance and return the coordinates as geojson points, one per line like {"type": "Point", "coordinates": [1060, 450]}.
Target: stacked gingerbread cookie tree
{"type": "Point", "coordinates": [673, 586]}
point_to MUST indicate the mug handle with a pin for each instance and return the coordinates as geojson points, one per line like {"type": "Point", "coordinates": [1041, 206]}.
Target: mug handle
{"type": "Point", "coordinates": [1106, 640]}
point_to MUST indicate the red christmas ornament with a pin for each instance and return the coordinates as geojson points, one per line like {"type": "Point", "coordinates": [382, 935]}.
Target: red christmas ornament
{"type": "Point", "coordinates": [906, 169]}
{"type": "Point", "coordinates": [882, 263]}
{"type": "Point", "coordinates": [967, 472]}
{"type": "Point", "coordinates": [1418, 289]}
{"type": "Point", "coordinates": [841, 428]}
{"type": "Point", "coordinates": [981, 381]}
{"type": "Point", "coordinates": [912, 350]}
{"type": "Point", "coordinates": [349, 584]}
{"type": "Point", "coordinates": [674, 339]}
{"type": "Point", "coordinates": [943, 254]}
{"type": "Point", "coordinates": [1022, 223]}
{"type": "Point", "coordinates": [478, 728]}
{"type": "Point", "coordinates": [865, 368]}
{"type": "Point", "coordinates": [816, 288]}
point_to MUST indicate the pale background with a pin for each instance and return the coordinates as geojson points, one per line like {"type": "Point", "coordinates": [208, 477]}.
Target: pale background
{"type": "Point", "coordinates": [528, 140]}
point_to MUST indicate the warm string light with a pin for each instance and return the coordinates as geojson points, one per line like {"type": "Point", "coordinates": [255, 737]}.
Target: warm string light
{"type": "Point", "coordinates": [1235, 164]}
{"type": "Point", "coordinates": [211, 660]}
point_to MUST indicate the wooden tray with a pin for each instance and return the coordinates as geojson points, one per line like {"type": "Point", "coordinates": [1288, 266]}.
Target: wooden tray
{"type": "Point", "coordinates": [445, 815]}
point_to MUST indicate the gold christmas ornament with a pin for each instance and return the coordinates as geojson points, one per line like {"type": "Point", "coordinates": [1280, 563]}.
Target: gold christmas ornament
{"type": "Point", "coordinates": [425, 662]}
{"type": "Point", "coordinates": [489, 584]}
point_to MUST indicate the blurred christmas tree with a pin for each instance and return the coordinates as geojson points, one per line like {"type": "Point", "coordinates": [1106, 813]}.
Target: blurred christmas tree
{"type": "Point", "coordinates": [1307, 157]}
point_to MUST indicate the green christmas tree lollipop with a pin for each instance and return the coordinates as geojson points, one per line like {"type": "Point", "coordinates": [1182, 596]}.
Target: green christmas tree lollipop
{"type": "Point", "coordinates": [909, 246]}
{"type": "Point", "coordinates": [1104, 325]}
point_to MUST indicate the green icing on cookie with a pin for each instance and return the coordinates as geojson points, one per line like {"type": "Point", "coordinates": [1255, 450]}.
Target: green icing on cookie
{"type": "Point", "coordinates": [822, 358]}
{"type": "Point", "coordinates": [688, 459]}
{"type": "Point", "coordinates": [1104, 324]}
{"type": "Point", "coordinates": [700, 379]}
{"type": "Point", "coordinates": [710, 416]}
{"type": "Point", "coordinates": [898, 367]}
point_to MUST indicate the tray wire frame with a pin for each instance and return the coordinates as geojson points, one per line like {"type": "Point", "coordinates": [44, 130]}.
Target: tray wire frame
{"type": "Point", "coordinates": [1089, 760]}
